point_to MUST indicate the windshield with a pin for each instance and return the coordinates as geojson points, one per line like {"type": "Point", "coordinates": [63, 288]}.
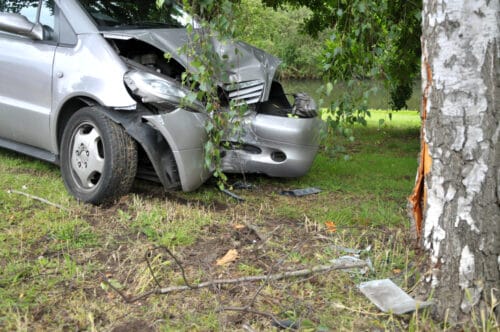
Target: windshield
{"type": "Point", "coordinates": [137, 14]}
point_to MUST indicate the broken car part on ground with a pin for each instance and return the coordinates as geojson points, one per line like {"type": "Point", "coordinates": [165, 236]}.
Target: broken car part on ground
{"type": "Point", "coordinates": [105, 103]}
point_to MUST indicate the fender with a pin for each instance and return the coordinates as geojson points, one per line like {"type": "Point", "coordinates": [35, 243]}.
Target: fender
{"type": "Point", "coordinates": [156, 149]}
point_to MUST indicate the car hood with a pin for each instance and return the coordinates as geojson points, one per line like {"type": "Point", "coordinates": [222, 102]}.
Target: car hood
{"type": "Point", "coordinates": [243, 61]}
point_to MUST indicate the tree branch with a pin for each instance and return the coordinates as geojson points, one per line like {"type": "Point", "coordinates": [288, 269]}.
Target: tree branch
{"type": "Point", "coordinates": [43, 200]}
{"type": "Point", "coordinates": [276, 276]}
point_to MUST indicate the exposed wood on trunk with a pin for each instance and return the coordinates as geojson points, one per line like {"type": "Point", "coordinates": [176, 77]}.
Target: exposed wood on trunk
{"type": "Point", "coordinates": [418, 196]}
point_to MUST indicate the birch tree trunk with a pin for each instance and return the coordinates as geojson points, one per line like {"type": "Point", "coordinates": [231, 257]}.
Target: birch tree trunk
{"type": "Point", "coordinates": [461, 154]}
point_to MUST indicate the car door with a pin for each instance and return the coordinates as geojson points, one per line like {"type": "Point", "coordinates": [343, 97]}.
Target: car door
{"type": "Point", "coordinates": [26, 76]}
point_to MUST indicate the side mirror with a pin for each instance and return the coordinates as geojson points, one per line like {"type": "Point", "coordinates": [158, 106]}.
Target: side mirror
{"type": "Point", "coordinates": [18, 24]}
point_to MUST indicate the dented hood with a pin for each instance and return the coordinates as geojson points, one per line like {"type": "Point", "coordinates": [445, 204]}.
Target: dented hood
{"type": "Point", "coordinates": [244, 62]}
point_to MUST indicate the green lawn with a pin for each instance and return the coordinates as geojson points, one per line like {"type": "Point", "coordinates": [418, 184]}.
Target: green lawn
{"type": "Point", "coordinates": [54, 262]}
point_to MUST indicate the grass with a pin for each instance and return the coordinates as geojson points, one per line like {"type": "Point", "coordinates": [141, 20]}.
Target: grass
{"type": "Point", "coordinates": [53, 262]}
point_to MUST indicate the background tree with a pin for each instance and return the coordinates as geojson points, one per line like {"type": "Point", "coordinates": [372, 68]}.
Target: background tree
{"type": "Point", "coordinates": [369, 40]}
{"type": "Point", "coordinates": [459, 180]}
{"type": "Point", "coordinates": [279, 32]}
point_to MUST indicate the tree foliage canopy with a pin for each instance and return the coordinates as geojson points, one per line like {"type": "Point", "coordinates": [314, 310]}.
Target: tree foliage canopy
{"type": "Point", "coordinates": [370, 39]}
{"type": "Point", "coordinates": [279, 32]}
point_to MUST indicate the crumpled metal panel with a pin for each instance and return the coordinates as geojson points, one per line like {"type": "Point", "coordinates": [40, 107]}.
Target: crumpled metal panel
{"type": "Point", "coordinates": [185, 134]}
{"type": "Point", "coordinates": [294, 140]}
{"type": "Point", "coordinates": [247, 64]}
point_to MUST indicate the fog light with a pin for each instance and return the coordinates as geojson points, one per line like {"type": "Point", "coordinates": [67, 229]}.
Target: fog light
{"type": "Point", "coordinates": [278, 156]}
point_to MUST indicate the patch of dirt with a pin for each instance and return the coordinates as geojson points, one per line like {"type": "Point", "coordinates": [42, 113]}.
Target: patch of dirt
{"type": "Point", "coordinates": [218, 240]}
{"type": "Point", "coordinates": [133, 326]}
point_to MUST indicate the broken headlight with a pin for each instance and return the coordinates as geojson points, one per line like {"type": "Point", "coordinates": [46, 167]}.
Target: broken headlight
{"type": "Point", "coordinates": [152, 88]}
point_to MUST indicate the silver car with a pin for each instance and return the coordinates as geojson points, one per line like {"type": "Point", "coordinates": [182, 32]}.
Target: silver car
{"type": "Point", "coordinates": [87, 85]}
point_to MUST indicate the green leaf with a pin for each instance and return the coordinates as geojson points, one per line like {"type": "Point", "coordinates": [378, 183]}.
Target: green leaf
{"type": "Point", "coordinates": [204, 86]}
{"type": "Point", "coordinates": [329, 88]}
{"type": "Point", "coordinates": [209, 126]}
{"type": "Point", "coordinates": [159, 3]}
{"type": "Point", "coordinates": [362, 7]}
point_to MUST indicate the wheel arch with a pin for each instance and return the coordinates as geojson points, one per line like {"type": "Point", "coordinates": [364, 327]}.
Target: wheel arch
{"type": "Point", "coordinates": [70, 107]}
{"type": "Point", "coordinates": [150, 140]}
{"type": "Point", "coordinates": [155, 145]}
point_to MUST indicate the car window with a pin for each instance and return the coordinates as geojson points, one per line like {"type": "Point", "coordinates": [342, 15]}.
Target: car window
{"type": "Point", "coordinates": [136, 14]}
{"type": "Point", "coordinates": [29, 9]}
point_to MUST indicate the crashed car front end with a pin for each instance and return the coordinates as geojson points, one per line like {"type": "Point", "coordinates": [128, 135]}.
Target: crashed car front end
{"type": "Point", "coordinates": [274, 138]}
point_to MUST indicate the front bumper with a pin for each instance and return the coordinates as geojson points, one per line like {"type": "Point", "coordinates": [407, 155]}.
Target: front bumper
{"type": "Point", "coordinates": [274, 145]}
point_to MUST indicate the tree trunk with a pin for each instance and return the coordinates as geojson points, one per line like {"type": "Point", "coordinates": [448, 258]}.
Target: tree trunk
{"type": "Point", "coordinates": [461, 153]}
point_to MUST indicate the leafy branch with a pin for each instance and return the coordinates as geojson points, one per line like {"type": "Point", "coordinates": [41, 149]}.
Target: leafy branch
{"type": "Point", "coordinates": [206, 71]}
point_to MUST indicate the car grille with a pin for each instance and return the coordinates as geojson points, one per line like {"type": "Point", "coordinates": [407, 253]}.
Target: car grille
{"type": "Point", "coordinates": [248, 92]}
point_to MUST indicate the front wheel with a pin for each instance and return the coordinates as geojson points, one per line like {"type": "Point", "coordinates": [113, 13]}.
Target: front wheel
{"type": "Point", "coordinates": [98, 158]}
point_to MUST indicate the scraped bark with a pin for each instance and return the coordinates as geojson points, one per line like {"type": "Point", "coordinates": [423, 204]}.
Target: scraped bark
{"type": "Point", "coordinates": [459, 195]}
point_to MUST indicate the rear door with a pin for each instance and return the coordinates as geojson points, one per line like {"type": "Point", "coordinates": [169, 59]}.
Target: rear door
{"type": "Point", "coordinates": [26, 76]}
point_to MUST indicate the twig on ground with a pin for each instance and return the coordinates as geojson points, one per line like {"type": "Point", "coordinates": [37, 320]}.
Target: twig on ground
{"type": "Point", "coordinates": [150, 252]}
{"type": "Point", "coordinates": [110, 285]}
{"type": "Point", "coordinates": [211, 283]}
{"type": "Point", "coordinates": [36, 198]}
{"type": "Point", "coordinates": [216, 282]}
{"type": "Point", "coordinates": [276, 276]}
{"type": "Point", "coordinates": [271, 270]}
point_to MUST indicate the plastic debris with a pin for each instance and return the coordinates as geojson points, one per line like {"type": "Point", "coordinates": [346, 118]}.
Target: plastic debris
{"type": "Point", "coordinates": [233, 195]}
{"type": "Point", "coordinates": [242, 185]}
{"type": "Point", "coordinates": [301, 192]}
{"type": "Point", "coordinates": [388, 297]}
{"type": "Point", "coordinates": [304, 106]}
{"type": "Point", "coordinates": [286, 324]}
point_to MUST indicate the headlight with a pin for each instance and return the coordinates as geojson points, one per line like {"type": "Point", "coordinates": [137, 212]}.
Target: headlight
{"type": "Point", "coordinates": [155, 89]}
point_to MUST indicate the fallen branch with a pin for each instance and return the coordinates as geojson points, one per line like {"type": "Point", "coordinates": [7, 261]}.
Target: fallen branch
{"type": "Point", "coordinates": [276, 276]}
{"type": "Point", "coordinates": [43, 200]}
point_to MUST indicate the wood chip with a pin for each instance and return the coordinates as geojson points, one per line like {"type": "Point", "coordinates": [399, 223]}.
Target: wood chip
{"type": "Point", "coordinates": [229, 257]}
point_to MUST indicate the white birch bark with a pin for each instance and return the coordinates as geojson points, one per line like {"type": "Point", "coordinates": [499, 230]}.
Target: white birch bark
{"type": "Point", "coordinates": [461, 229]}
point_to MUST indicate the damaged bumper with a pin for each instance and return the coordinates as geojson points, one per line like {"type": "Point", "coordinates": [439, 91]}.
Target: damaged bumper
{"type": "Point", "coordinates": [274, 145]}
{"type": "Point", "coordinates": [174, 142]}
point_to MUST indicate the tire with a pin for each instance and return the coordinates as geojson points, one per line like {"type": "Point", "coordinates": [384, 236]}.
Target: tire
{"type": "Point", "coordinates": [98, 158]}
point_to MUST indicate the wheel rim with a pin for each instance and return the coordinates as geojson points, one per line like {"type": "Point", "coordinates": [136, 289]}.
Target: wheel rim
{"type": "Point", "coordinates": [87, 156]}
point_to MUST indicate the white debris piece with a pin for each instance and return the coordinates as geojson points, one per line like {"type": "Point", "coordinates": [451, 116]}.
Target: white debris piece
{"type": "Point", "coordinates": [388, 297]}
